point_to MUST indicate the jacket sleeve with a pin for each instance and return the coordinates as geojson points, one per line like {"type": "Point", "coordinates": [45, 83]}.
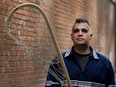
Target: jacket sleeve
{"type": "Point", "coordinates": [110, 75]}
{"type": "Point", "coordinates": [54, 74]}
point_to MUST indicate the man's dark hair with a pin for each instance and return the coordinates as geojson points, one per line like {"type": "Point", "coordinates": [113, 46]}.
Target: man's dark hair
{"type": "Point", "coordinates": [82, 20]}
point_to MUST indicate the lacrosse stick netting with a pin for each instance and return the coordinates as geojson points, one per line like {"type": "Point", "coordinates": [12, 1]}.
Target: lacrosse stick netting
{"type": "Point", "coordinates": [23, 26]}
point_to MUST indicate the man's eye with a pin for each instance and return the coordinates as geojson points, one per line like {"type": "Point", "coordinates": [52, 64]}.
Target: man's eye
{"type": "Point", "coordinates": [84, 30]}
{"type": "Point", "coordinates": [80, 30]}
{"type": "Point", "coordinates": [76, 30]}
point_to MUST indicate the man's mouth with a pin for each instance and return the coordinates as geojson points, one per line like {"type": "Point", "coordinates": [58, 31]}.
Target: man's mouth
{"type": "Point", "coordinates": [80, 39]}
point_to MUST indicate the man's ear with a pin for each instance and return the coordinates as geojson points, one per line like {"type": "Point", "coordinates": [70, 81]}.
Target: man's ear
{"type": "Point", "coordinates": [91, 36]}
{"type": "Point", "coordinates": [71, 36]}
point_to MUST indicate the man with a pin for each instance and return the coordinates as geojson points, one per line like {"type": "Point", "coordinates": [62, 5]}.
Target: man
{"type": "Point", "coordinates": [86, 67]}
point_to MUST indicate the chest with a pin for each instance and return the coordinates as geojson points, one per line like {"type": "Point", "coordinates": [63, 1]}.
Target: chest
{"type": "Point", "coordinates": [93, 71]}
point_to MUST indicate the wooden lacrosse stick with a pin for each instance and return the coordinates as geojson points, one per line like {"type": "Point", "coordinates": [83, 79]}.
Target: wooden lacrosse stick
{"type": "Point", "coordinates": [50, 30]}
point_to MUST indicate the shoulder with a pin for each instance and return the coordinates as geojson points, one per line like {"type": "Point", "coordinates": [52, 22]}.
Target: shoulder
{"type": "Point", "coordinates": [67, 53]}
{"type": "Point", "coordinates": [104, 59]}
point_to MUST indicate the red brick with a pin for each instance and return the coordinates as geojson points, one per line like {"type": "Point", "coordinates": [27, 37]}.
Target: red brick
{"type": "Point", "coordinates": [9, 2]}
{"type": "Point", "coordinates": [1, 1]}
{"type": "Point", "coordinates": [2, 18]}
{"type": "Point", "coordinates": [3, 6]}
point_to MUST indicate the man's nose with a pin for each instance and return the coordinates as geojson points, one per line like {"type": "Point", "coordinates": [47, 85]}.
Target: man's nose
{"type": "Point", "coordinates": [80, 32]}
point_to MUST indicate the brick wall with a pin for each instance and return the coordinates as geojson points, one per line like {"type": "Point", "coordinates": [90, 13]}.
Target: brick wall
{"type": "Point", "coordinates": [17, 69]}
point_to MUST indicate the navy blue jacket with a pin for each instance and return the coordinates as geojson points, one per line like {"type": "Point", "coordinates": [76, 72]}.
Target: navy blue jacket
{"type": "Point", "coordinates": [98, 72]}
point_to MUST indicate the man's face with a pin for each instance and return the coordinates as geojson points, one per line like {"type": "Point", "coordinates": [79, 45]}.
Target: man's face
{"type": "Point", "coordinates": [81, 34]}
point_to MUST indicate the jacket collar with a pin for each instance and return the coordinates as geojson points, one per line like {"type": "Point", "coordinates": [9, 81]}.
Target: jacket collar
{"type": "Point", "coordinates": [93, 53]}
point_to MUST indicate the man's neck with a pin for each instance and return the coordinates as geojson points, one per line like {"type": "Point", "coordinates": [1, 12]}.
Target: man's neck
{"type": "Point", "coordinates": [82, 49]}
